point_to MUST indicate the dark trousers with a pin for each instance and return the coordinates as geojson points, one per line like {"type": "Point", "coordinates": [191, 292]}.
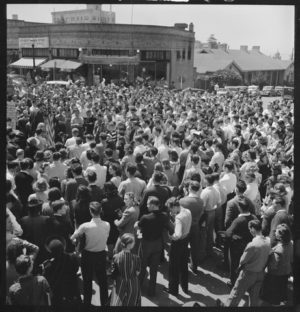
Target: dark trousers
{"type": "Point", "coordinates": [94, 263]}
{"type": "Point", "coordinates": [235, 252]}
{"type": "Point", "coordinates": [194, 240]}
{"type": "Point", "coordinates": [178, 265]}
{"type": "Point", "coordinates": [151, 253]}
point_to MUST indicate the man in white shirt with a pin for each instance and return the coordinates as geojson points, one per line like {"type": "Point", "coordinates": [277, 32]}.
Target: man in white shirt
{"type": "Point", "coordinates": [218, 158]}
{"type": "Point", "coordinates": [101, 171]}
{"type": "Point", "coordinates": [163, 149]}
{"type": "Point", "coordinates": [139, 147]}
{"type": "Point", "coordinates": [57, 168]}
{"type": "Point", "coordinates": [211, 200]}
{"type": "Point", "coordinates": [72, 141]}
{"type": "Point", "coordinates": [89, 140]}
{"type": "Point", "coordinates": [93, 260]}
{"type": "Point", "coordinates": [157, 133]}
{"type": "Point", "coordinates": [179, 253]}
{"type": "Point", "coordinates": [228, 180]}
{"type": "Point", "coordinates": [132, 184]}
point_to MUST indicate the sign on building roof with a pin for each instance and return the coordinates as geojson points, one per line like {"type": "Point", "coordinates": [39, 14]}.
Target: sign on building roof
{"type": "Point", "coordinates": [39, 42]}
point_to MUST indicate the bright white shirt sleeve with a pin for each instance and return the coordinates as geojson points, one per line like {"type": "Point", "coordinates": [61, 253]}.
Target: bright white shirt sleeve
{"type": "Point", "coordinates": [178, 230]}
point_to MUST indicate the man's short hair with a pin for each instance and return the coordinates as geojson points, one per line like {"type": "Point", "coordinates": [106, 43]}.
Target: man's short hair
{"type": "Point", "coordinates": [77, 169]}
{"type": "Point", "coordinates": [154, 151]}
{"type": "Point", "coordinates": [22, 264]}
{"type": "Point", "coordinates": [157, 177]}
{"type": "Point", "coordinates": [131, 168]}
{"type": "Point", "coordinates": [24, 164]}
{"type": "Point", "coordinates": [56, 156]}
{"type": "Point", "coordinates": [194, 186]}
{"type": "Point", "coordinates": [153, 200]}
{"type": "Point", "coordinates": [91, 176]}
{"type": "Point", "coordinates": [95, 208]}
{"type": "Point", "coordinates": [255, 224]}
{"type": "Point", "coordinates": [95, 157]}
{"type": "Point", "coordinates": [78, 141]}
{"type": "Point", "coordinates": [195, 159]}
{"type": "Point", "coordinates": [209, 178]}
{"type": "Point", "coordinates": [241, 186]}
{"type": "Point", "coordinates": [172, 202]}
{"type": "Point", "coordinates": [103, 136]}
{"type": "Point", "coordinates": [229, 165]}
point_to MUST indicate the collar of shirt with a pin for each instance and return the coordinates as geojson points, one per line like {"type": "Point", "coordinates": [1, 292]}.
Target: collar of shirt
{"type": "Point", "coordinates": [193, 195]}
{"type": "Point", "coordinates": [244, 214]}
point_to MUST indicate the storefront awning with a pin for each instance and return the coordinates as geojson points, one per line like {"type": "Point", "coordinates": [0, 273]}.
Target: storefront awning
{"type": "Point", "coordinates": [61, 64]}
{"type": "Point", "coordinates": [28, 62]}
{"type": "Point", "coordinates": [107, 60]}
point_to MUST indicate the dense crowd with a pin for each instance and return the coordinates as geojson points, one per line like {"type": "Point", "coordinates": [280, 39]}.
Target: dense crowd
{"type": "Point", "coordinates": [106, 181]}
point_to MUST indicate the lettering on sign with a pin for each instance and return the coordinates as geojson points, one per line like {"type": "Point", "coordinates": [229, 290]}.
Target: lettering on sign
{"type": "Point", "coordinates": [39, 42]}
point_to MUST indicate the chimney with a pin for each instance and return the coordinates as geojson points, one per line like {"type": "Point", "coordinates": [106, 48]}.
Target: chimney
{"type": "Point", "coordinates": [191, 27]}
{"type": "Point", "coordinates": [181, 26]}
{"type": "Point", "coordinates": [15, 17]}
{"type": "Point", "coordinates": [244, 48]}
{"type": "Point", "coordinates": [256, 48]}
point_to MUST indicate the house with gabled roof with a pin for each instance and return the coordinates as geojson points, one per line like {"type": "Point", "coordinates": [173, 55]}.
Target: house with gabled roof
{"type": "Point", "coordinates": [250, 64]}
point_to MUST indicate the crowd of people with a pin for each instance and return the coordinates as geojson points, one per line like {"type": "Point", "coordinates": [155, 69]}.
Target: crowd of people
{"type": "Point", "coordinates": [106, 181]}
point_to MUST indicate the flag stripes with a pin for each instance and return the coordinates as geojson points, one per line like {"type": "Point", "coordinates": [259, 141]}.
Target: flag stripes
{"type": "Point", "coordinates": [50, 129]}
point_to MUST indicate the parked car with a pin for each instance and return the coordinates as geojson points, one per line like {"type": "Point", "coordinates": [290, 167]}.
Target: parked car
{"type": "Point", "coordinates": [243, 89]}
{"type": "Point", "coordinates": [279, 90]}
{"type": "Point", "coordinates": [233, 89]}
{"type": "Point", "coordinates": [268, 91]}
{"type": "Point", "coordinates": [288, 93]}
{"type": "Point", "coordinates": [222, 91]}
{"type": "Point", "coordinates": [253, 90]}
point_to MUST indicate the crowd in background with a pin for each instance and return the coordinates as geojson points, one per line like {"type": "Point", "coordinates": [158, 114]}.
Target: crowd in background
{"type": "Point", "coordinates": [105, 181]}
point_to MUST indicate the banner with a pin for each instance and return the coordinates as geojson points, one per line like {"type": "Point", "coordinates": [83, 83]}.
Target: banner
{"type": "Point", "coordinates": [39, 42]}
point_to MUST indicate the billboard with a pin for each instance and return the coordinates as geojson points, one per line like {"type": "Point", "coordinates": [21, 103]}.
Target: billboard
{"type": "Point", "coordinates": [39, 42]}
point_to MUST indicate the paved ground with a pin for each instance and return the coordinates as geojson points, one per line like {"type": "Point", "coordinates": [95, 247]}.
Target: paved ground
{"type": "Point", "coordinates": [205, 287]}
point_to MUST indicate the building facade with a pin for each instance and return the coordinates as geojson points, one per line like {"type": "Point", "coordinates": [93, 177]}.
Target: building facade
{"type": "Point", "coordinates": [92, 14]}
{"type": "Point", "coordinates": [253, 66]}
{"type": "Point", "coordinates": [113, 51]}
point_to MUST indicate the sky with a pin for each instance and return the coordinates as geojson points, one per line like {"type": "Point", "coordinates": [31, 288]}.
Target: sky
{"type": "Point", "coordinates": [270, 27]}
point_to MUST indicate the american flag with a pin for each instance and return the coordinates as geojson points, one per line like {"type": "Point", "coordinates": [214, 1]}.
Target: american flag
{"type": "Point", "coordinates": [50, 129]}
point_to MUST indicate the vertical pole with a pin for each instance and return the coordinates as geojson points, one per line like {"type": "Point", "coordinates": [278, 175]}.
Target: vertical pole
{"type": "Point", "coordinates": [33, 59]}
{"type": "Point", "coordinates": [54, 70]}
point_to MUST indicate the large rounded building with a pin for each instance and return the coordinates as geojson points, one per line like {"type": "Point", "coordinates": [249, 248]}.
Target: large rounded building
{"type": "Point", "coordinates": [111, 51]}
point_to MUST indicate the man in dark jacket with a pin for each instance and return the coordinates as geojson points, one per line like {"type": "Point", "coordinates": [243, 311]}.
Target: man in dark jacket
{"type": "Point", "coordinates": [232, 209]}
{"type": "Point", "coordinates": [280, 217]}
{"type": "Point", "coordinates": [23, 181]}
{"type": "Point", "coordinates": [156, 190]}
{"type": "Point", "coordinates": [34, 228]}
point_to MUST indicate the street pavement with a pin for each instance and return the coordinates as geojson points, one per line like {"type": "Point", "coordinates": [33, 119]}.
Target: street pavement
{"type": "Point", "coordinates": [205, 287]}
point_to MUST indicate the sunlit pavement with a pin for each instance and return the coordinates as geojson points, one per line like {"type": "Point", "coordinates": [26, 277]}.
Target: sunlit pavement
{"type": "Point", "coordinates": [205, 287]}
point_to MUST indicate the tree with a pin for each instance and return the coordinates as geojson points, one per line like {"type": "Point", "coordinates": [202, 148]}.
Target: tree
{"type": "Point", "coordinates": [226, 77]}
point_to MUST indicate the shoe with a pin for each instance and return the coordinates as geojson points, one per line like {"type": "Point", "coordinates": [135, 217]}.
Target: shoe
{"type": "Point", "coordinates": [219, 303]}
{"type": "Point", "coordinates": [193, 269]}
{"type": "Point", "coordinates": [230, 285]}
{"type": "Point", "coordinates": [167, 290]}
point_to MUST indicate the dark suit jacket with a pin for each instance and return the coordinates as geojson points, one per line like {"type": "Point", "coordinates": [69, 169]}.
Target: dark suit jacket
{"type": "Point", "coordinates": [158, 191]}
{"type": "Point", "coordinates": [23, 186]}
{"type": "Point", "coordinates": [280, 217]}
{"type": "Point", "coordinates": [72, 186]}
{"type": "Point", "coordinates": [126, 223]}
{"type": "Point", "coordinates": [232, 209]}
{"type": "Point", "coordinates": [96, 193]}
{"type": "Point", "coordinates": [35, 229]}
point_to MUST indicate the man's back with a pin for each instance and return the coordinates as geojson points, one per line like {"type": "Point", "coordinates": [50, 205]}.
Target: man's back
{"type": "Point", "coordinates": [195, 205]}
{"type": "Point", "coordinates": [35, 229]}
{"type": "Point", "coordinates": [135, 185]}
{"type": "Point", "coordinates": [155, 190]}
{"type": "Point", "coordinates": [232, 209]}
{"type": "Point", "coordinates": [72, 186]}
{"type": "Point", "coordinates": [30, 290]}
{"type": "Point", "coordinates": [280, 217]}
